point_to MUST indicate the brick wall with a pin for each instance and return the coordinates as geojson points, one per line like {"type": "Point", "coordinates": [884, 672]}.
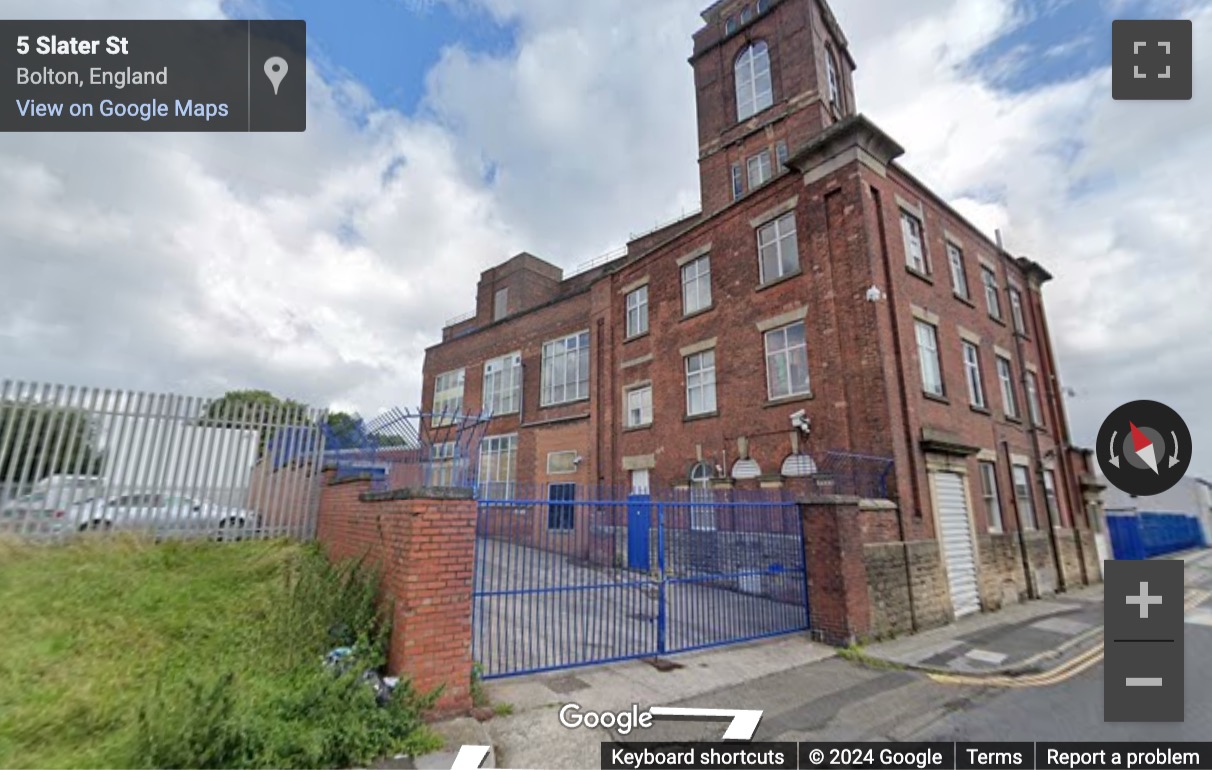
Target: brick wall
{"type": "Point", "coordinates": [424, 543]}
{"type": "Point", "coordinates": [859, 591]}
{"type": "Point", "coordinates": [838, 601]}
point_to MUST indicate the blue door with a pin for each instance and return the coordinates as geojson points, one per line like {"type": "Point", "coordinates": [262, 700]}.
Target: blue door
{"type": "Point", "coordinates": [639, 521]}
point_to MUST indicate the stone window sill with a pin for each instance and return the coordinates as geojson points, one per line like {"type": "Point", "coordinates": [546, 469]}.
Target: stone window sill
{"type": "Point", "coordinates": [913, 271]}
{"type": "Point", "coordinates": [966, 300]}
{"type": "Point", "coordinates": [703, 416]}
{"type": "Point", "coordinates": [563, 403]}
{"type": "Point", "coordinates": [635, 337]}
{"type": "Point", "coordinates": [780, 279]}
{"type": "Point", "coordinates": [981, 410]}
{"type": "Point", "coordinates": [697, 313]}
{"type": "Point", "coordinates": [935, 397]}
{"type": "Point", "coordinates": [784, 400]}
{"type": "Point", "coordinates": [636, 428]}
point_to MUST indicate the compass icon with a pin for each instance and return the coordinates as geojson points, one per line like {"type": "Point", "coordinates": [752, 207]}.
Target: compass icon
{"type": "Point", "coordinates": [1144, 448]}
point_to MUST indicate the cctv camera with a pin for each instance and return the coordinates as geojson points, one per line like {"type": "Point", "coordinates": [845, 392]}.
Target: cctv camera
{"type": "Point", "coordinates": [798, 417]}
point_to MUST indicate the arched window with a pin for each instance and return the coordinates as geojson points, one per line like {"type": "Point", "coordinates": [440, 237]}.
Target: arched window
{"type": "Point", "coordinates": [730, 25]}
{"type": "Point", "coordinates": [702, 510]}
{"type": "Point", "coordinates": [746, 14]}
{"type": "Point", "coordinates": [763, 6]}
{"type": "Point", "coordinates": [834, 84]}
{"type": "Point", "coordinates": [754, 92]}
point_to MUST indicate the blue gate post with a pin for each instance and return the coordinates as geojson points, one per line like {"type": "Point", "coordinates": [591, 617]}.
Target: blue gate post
{"type": "Point", "coordinates": [661, 586]}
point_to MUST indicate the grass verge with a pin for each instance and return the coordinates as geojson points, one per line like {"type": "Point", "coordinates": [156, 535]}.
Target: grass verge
{"type": "Point", "coordinates": [119, 652]}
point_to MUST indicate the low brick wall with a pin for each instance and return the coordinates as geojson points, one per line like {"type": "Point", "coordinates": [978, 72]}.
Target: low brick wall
{"type": "Point", "coordinates": [423, 540]}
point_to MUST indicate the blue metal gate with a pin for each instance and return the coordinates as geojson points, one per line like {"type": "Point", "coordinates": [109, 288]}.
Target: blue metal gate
{"type": "Point", "coordinates": [562, 581]}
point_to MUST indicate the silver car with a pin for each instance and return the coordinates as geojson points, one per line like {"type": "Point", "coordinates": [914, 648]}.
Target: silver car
{"type": "Point", "coordinates": [44, 508]}
{"type": "Point", "coordinates": [163, 514]}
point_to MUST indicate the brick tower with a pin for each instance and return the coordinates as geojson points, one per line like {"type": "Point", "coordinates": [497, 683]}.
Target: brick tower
{"type": "Point", "coordinates": [769, 75]}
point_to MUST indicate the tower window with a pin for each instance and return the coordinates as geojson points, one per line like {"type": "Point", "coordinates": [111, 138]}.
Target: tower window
{"type": "Point", "coordinates": [835, 89]}
{"type": "Point", "coordinates": [754, 89]}
{"type": "Point", "coordinates": [763, 6]}
{"type": "Point", "coordinates": [760, 170]}
{"type": "Point", "coordinates": [730, 25]}
{"type": "Point", "coordinates": [746, 14]}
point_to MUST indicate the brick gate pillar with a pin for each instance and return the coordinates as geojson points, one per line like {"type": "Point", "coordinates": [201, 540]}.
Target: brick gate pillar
{"type": "Point", "coordinates": [839, 607]}
{"type": "Point", "coordinates": [423, 541]}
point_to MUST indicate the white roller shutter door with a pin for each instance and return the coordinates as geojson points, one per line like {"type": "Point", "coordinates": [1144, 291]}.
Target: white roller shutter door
{"type": "Point", "coordinates": [956, 540]}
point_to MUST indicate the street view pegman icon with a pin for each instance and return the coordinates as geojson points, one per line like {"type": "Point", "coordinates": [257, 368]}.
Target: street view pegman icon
{"type": "Point", "coordinates": [1144, 448]}
{"type": "Point", "coordinates": [1151, 59]}
{"type": "Point", "coordinates": [275, 70]}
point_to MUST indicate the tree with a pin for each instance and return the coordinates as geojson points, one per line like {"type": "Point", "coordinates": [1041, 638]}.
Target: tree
{"type": "Point", "coordinates": [283, 423]}
{"type": "Point", "coordinates": [347, 431]}
{"type": "Point", "coordinates": [258, 406]}
{"type": "Point", "coordinates": [40, 440]}
{"type": "Point", "coordinates": [344, 431]}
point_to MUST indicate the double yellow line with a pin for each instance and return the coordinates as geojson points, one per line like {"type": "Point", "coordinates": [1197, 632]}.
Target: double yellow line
{"type": "Point", "coordinates": [1064, 671]}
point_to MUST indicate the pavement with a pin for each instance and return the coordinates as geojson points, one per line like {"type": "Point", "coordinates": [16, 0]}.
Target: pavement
{"type": "Point", "coordinates": [1028, 672]}
{"type": "Point", "coordinates": [1019, 638]}
{"type": "Point", "coordinates": [533, 736]}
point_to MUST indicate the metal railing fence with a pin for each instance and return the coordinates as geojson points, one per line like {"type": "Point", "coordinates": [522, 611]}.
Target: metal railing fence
{"type": "Point", "coordinates": [86, 459]}
{"type": "Point", "coordinates": [562, 582]}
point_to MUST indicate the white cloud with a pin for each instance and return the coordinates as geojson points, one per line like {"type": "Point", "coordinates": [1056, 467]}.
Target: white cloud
{"type": "Point", "coordinates": [199, 262]}
{"type": "Point", "coordinates": [316, 265]}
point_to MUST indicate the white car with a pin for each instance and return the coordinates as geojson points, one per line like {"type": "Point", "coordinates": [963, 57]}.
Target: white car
{"type": "Point", "coordinates": [162, 514]}
{"type": "Point", "coordinates": [47, 502]}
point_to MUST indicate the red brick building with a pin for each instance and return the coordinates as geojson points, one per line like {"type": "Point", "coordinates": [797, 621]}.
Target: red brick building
{"type": "Point", "coordinates": [821, 286]}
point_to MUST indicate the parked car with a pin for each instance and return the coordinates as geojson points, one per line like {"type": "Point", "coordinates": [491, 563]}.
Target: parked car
{"type": "Point", "coordinates": [164, 514]}
{"type": "Point", "coordinates": [48, 501]}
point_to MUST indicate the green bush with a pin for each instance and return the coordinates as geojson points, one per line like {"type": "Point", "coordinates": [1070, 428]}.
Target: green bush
{"type": "Point", "coordinates": [316, 719]}
{"type": "Point", "coordinates": [305, 714]}
{"type": "Point", "coordinates": [328, 605]}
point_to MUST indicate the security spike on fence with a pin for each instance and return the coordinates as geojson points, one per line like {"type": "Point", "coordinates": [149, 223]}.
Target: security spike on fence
{"type": "Point", "coordinates": [409, 448]}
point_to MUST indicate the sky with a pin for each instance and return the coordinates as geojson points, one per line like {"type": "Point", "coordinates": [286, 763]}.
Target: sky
{"type": "Point", "coordinates": [446, 135]}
